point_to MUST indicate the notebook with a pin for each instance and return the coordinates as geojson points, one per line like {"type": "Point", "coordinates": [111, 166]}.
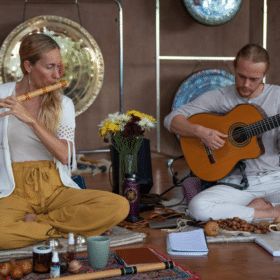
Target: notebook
{"type": "Point", "coordinates": [190, 243]}
{"type": "Point", "coordinates": [270, 242]}
{"type": "Point", "coordinates": [137, 256]}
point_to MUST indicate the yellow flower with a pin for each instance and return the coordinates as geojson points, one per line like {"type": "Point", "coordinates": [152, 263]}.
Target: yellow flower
{"type": "Point", "coordinates": [102, 132]}
{"type": "Point", "coordinates": [107, 123]}
{"type": "Point", "coordinates": [149, 117]}
{"type": "Point", "coordinates": [135, 113]}
{"type": "Point", "coordinates": [107, 128]}
{"type": "Point", "coordinates": [114, 128]}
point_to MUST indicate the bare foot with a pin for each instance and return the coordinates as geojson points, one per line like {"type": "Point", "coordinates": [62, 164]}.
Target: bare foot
{"type": "Point", "coordinates": [107, 232]}
{"type": "Point", "coordinates": [30, 217]}
{"type": "Point", "coordinates": [260, 204]}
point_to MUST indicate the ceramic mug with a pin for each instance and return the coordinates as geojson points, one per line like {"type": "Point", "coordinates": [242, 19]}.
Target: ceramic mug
{"type": "Point", "coordinates": [98, 248]}
{"type": "Point", "coordinates": [274, 228]}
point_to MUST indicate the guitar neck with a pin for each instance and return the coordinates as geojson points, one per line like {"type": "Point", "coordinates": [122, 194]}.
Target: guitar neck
{"type": "Point", "coordinates": [262, 126]}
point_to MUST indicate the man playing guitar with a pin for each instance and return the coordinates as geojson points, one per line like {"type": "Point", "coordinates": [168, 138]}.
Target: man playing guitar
{"type": "Point", "coordinates": [262, 198]}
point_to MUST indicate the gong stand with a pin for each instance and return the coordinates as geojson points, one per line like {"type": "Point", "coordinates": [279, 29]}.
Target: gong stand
{"type": "Point", "coordinates": [76, 2]}
{"type": "Point", "coordinates": [120, 20]}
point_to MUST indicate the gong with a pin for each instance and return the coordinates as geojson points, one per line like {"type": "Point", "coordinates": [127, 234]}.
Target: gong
{"type": "Point", "coordinates": [200, 82]}
{"type": "Point", "coordinates": [81, 56]}
{"type": "Point", "coordinates": [213, 12]}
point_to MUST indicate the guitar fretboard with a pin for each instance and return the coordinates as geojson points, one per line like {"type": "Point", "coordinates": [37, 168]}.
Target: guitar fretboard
{"type": "Point", "coordinates": [262, 126]}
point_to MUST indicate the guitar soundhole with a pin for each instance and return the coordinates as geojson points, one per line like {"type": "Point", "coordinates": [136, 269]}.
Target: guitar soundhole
{"type": "Point", "coordinates": [238, 135]}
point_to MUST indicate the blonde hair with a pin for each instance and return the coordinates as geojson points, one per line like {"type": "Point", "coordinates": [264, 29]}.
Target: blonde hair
{"type": "Point", "coordinates": [254, 53]}
{"type": "Point", "coordinates": [31, 49]}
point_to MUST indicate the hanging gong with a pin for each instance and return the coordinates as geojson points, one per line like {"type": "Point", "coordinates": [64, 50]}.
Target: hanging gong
{"type": "Point", "coordinates": [213, 12]}
{"type": "Point", "coordinates": [199, 83]}
{"type": "Point", "coordinates": [81, 57]}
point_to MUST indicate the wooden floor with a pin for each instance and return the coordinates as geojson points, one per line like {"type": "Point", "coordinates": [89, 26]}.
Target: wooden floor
{"type": "Point", "coordinates": [225, 261]}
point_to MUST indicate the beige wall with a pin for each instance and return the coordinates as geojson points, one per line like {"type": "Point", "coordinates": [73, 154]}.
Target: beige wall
{"type": "Point", "coordinates": [180, 35]}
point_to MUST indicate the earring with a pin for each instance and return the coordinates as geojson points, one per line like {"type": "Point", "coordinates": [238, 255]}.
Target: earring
{"type": "Point", "coordinates": [29, 79]}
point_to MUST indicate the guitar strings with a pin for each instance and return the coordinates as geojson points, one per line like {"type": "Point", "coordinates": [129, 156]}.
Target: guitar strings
{"type": "Point", "coordinates": [259, 127]}
{"type": "Point", "coordinates": [266, 124]}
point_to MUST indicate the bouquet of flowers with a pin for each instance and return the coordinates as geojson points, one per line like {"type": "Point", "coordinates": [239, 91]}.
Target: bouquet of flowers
{"type": "Point", "coordinates": [126, 131]}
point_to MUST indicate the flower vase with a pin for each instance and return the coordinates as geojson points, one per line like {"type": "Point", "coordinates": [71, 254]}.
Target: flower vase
{"type": "Point", "coordinates": [128, 164]}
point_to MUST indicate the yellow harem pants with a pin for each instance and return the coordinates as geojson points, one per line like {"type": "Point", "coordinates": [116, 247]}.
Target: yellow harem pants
{"type": "Point", "coordinates": [39, 190]}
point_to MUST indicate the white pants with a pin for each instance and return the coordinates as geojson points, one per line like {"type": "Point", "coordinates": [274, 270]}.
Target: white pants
{"type": "Point", "coordinates": [222, 201]}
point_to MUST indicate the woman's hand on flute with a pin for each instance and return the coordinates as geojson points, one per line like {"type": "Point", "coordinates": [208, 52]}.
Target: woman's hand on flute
{"type": "Point", "coordinates": [57, 147]}
{"type": "Point", "coordinates": [16, 109]}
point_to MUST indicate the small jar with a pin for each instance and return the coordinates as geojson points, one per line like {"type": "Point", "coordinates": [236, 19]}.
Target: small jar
{"type": "Point", "coordinates": [42, 258]}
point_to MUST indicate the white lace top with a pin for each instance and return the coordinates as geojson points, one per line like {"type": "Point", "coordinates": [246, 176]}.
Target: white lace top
{"type": "Point", "coordinates": [65, 131]}
{"type": "Point", "coordinates": [24, 143]}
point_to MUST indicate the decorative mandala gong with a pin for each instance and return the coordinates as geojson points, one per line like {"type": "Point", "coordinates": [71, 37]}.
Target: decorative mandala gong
{"type": "Point", "coordinates": [199, 83]}
{"type": "Point", "coordinates": [213, 12]}
{"type": "Point", "coordinates": [81, 57]}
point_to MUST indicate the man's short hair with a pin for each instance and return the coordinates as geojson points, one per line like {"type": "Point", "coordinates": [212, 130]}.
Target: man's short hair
{"type": "Point", "coordinates": [254, 53]}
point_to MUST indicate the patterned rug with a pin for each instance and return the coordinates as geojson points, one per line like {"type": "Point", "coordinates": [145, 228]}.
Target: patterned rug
{"type": "Point", "coordinates": [119, 236]}
{"type": "Point", "coordinates": [176, 273]}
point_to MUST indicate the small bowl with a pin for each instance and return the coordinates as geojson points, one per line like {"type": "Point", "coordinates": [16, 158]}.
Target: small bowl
{"type": "Point", "coordinates": [54, 243]}
{"type": "Point", "coordinates": [80, 240]}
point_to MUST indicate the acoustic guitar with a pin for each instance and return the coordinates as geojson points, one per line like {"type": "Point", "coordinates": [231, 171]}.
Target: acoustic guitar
{"type": "Point", "coordinates": [244, 125]}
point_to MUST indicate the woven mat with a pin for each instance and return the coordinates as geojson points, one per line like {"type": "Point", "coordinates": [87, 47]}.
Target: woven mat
{"type": "Point", "coordinates": [220, 238]}
{"type": "Point", "coordinates": [226, 239]}
{"type": "Point", "coordinates": [119, 236]}
{"type": "Point", "coordinates": [175, 273]}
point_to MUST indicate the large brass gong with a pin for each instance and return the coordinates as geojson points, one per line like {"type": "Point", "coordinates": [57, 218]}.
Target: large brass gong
{"type": "Point", "coordinates": [82, 57]}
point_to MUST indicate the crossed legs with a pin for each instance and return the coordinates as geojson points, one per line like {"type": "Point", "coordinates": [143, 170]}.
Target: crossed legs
{"type": "Point", "coordinates": [220, 202]}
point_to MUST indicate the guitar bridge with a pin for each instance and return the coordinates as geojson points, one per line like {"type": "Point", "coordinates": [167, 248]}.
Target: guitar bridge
{"type": "Point", "coordinates": [209, 154]}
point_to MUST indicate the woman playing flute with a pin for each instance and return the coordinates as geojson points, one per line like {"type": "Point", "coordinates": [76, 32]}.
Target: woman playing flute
{"type": "Point", "coordinates": [38, 198]}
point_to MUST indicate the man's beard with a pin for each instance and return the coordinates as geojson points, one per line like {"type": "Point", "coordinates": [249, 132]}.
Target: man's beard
{"type": "Point", "coordinates": [244, 92]}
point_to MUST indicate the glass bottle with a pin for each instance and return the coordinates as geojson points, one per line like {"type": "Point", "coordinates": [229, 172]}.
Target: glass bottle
{"type": "Point", "coordinates": [71, 248]}
{"type": "Point", "coordinates": [55, 266]}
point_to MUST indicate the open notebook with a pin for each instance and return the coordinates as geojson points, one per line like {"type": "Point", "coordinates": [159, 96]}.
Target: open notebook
{"type": "Point", "coordinates": [271, 242]}
{"type": "Point", "coordinates": [187, 243]}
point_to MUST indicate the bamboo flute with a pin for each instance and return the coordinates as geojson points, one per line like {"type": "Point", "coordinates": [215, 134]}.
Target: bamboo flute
{"type": "Point", "coordinates": [120, 271]}
{"type": "Point", "coordinates": [40, 91]}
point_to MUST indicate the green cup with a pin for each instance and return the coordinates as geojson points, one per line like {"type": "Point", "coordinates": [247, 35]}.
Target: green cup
{"type": "Point", "coordinates": [98, 248]}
